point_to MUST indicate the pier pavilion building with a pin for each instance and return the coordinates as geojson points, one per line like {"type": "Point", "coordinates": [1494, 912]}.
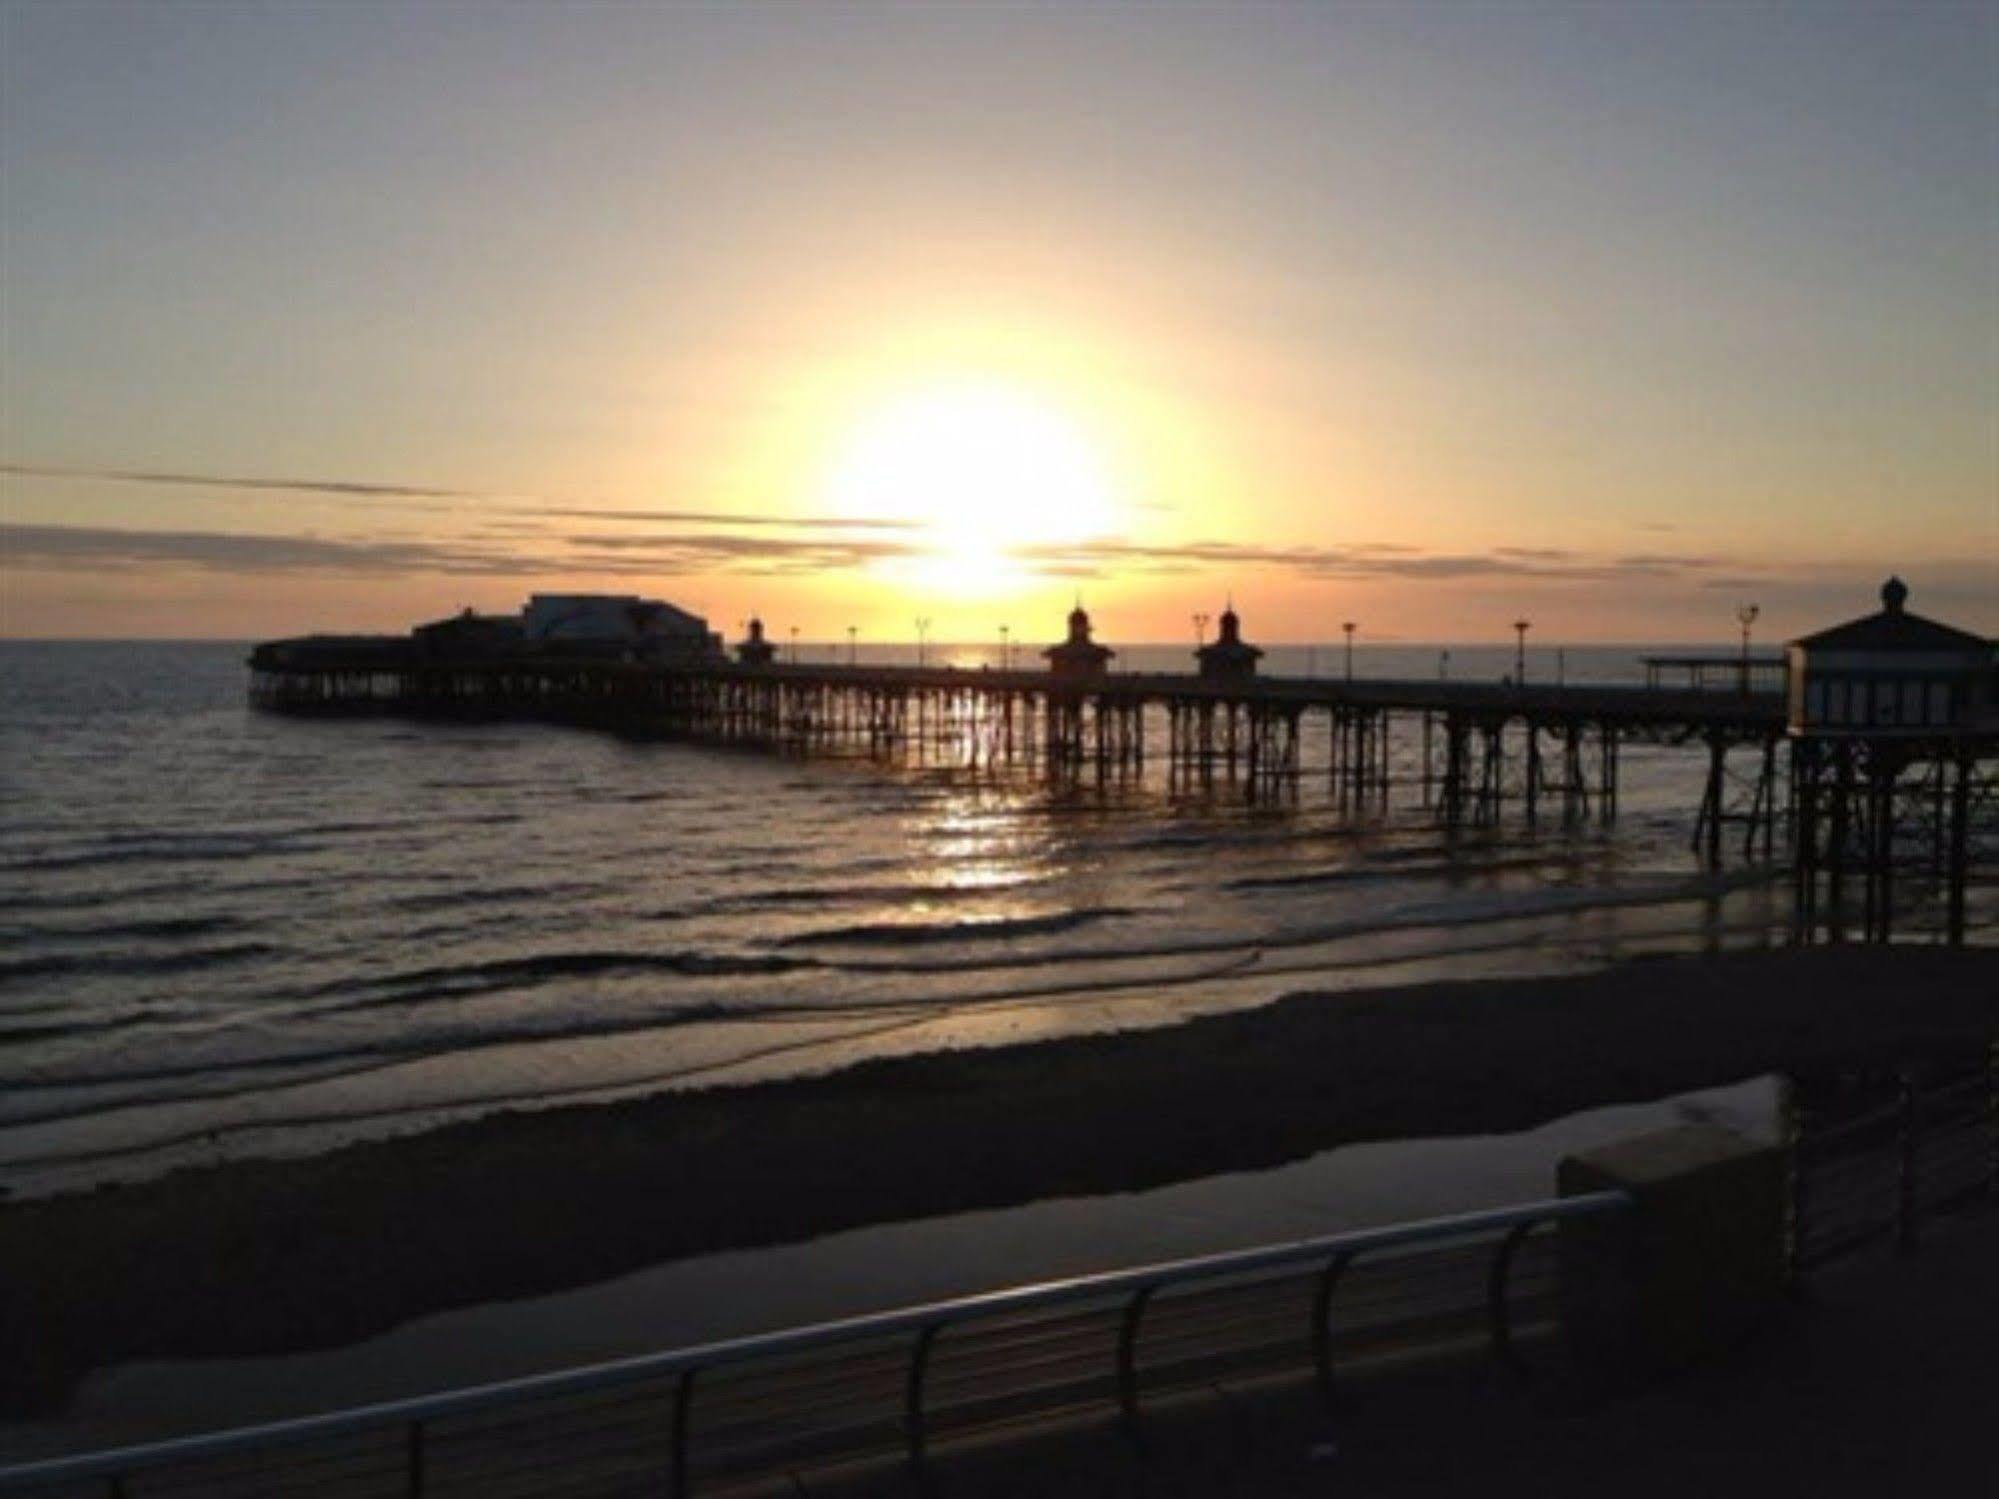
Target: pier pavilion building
{"type": "Point", "coordinates": [1891, 718]}
{"type": "Point", "coordinates": [620, 624]}
{"type": "Point", "coordinates": [1889, 672]}
{"type": "Point", "coordinates": [1079, 657]}
{"type": "Point", "coordinates": [753, 649]}
{"type": "Point", "coordinates": [1229, 658]}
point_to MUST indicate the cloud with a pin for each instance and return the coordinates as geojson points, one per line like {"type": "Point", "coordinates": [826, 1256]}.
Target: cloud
{"type": "Point", "coordinates": [520, 532]}
{"type": "Point", "coordinates": [725, 518]}
{"type": "Point", "coordinates": [229, 551]}
{"type": "Point", "coordinates": [74, 547]}
{"type": "Point", "coordinates": [341, 487]}
{"type": "Point", "coordinates": [489, 502]}
{"type": "Point", "coordinates": [1365, 560]}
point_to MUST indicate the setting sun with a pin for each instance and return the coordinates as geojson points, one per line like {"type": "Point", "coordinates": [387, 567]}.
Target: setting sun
{"type": "Point", "coordinates": [986, 470]}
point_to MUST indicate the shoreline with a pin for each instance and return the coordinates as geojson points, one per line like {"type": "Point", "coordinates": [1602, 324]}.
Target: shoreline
{"type": "Point", "coordinates": [272, 1256]}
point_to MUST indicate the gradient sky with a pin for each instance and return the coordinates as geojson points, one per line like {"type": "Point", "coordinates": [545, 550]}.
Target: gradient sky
{"type": "Point", "coordinates": [1424, 316]}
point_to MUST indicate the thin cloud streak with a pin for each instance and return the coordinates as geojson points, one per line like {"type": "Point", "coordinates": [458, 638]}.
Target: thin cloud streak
{"type": "Point", "coordinates": [622, 554]}
{"type": "Point", "coordinates": [725, 518]}
{"type": "Point", "coordinates": [239, 552]}
{"type": "Point", "coordinates": [341, 487]}
{"type": "Point", "coordinates": [74, 547]}
{"type": "Point", "coordinates": [490, 502]}
{"type": "Point", "coordinates": [1364, 560]}
{"type": "Point", "coordinates": [607, 555]}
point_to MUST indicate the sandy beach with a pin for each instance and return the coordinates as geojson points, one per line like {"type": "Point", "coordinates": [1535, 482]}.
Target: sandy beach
{"type": "Point", "coordinates": [268, 1256]}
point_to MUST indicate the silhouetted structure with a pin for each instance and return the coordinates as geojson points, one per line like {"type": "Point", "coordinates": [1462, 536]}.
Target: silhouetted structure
{"type": "Point", "coordinates": [471, 634]}
{"type": "Point", "coordinates": [1471, 749]}
{"type": "Point", "coordinates": [753, 649]}
{"type": "Point", "coordinates": [618, 624]}
{"type": "Point", "coordinates": [1715, 673]}
{"type": "Point", "coordinates": [1889, 673]}
{"type": "Point", "coordinates": [1079, 656]}
{"type": "Point", "coordinates": [1229, 658]}
{"type": "Point", "coordinates": [1892, 732]}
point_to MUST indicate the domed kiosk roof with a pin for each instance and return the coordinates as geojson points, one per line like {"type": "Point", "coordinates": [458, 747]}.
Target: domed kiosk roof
{"type": "Point", "coordinates": [1894, 628]}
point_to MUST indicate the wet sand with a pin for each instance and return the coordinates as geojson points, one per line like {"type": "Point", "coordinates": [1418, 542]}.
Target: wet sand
{"type": "Point", "coordinates": [268, 1256]}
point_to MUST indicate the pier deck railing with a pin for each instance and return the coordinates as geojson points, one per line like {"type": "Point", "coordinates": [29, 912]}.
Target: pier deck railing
{"type": "Point", "coordinates": [1679, 707]}
{"type": "Point", "coordinates": [894, 1383]}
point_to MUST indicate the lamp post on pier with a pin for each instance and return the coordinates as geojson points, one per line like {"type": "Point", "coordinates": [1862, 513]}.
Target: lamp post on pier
{"type": "Point", "coordinates": [1349, 627]}
{"type": "Point", "coordinates": [1006, 649]}
{"type": "Point", "coordinates": [1200, 631]}
{"type": "Point", "coordinates": [1520, 629]}
{"type": "Point", "coordinates": [794, 645]}
{"type": "Point", "coordinates": [853, 649]}
{"type": "Point", "coordinates": [923, 640]}
{"type": "Point", "coordinates": [1746, 616]}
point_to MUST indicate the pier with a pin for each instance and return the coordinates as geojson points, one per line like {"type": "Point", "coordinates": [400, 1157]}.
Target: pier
{"type": "Point", "coordinates": [1871, 760]}
{"type": "Point", "coordinates": [1469, 752]}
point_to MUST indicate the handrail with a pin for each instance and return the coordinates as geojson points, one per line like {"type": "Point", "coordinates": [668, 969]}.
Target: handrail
{"type": "Point", "coordinates": [924, 1319]}
{"type": "Point", "coordinates": [1758, 706]}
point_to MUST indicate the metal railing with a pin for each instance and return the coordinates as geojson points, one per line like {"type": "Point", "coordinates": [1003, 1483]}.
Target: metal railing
{"type": "Point", "coordinates": [888, 1382]}
{"type": "Point", "coordinates": [1923, 1146]}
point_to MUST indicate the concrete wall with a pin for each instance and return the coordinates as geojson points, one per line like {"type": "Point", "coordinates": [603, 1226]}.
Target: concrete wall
{"type": "Point", "coordinates": [1696, 1265]}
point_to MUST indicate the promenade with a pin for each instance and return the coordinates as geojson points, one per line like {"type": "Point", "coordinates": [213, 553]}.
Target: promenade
{"type": "Point", "coordinates": [1879, 1378]}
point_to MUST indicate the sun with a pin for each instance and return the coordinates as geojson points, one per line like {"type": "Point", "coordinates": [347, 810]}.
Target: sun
{"type": "Point", "coordinates": [992, 477]}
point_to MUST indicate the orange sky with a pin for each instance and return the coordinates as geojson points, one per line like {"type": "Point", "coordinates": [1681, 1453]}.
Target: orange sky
{"type": "Point", "coordinates": [320, 320]}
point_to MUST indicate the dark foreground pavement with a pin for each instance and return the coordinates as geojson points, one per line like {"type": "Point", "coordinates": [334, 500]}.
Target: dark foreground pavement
{"type": "Point", "coordinates": [1880, 1379]}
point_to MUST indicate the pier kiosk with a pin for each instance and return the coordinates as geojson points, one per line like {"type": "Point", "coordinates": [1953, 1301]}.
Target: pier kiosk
{"type": "Point", "coordinates": [1892, 728]}
{"type": "Point", "coordinates": [753, 649]}
{"type": "Point", "coordinates": [1079, 658]}
{"type": "Point", "coordinates": [1229, 658]}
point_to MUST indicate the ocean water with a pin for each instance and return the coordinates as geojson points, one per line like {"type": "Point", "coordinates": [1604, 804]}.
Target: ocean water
{"type": "Point", "coordinates": [228, 932]}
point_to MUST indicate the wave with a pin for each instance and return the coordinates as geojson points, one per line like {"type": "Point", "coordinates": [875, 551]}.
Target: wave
{"type": "Point", "coordinates": [457, 896]}
{"type": "Point", "coordinates": [44, 965]}
{"type": "Point", "coordinates": [63, 900]}
{"type": "Point", "coordinates": [912, 933]}
{"type": "Point", "coordinates": [228, 1079]}
{"type": "Point", "coordinates": [1404, 864]}
{"type": "Point", "coordinates": [461, 980]}
{"type": "Point", "coordinates": [204, 848]}
{"type": "Point", "coordinates": [56, 1030]}
{"type": "Point", "coordinates": [830, 895]}
{"type": "Point", "coordinates": [165, 926]}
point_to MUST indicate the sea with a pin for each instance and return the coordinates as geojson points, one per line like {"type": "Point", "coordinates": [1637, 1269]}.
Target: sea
{"type": "Point", "coordinates": [226, 932]}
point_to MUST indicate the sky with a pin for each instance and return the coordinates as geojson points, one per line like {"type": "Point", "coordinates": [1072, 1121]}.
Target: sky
{"type": "Point", "coordinates": [1428, 317]}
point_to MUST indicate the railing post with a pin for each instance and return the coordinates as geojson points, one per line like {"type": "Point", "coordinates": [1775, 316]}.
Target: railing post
{"type": "Point", "coordinates": [912, 1399]}
{"type": "Point", "coordinates": [1801, 1143]}
{"type": "Point", "coordinates": [415, 1465]}
{"type": "Point", "coordinates": [1992, 1120]}
{"type": "Point", "coordinates": [1322, 1320]}
{"type": "Point", "coordinates": [1908, 1126]}
{"type": "Point", "coordinates": [1127, 1354]}
{"type": "Point", "coordinates": [1503, 1350]}
{"type": "Point", "coordinates": [683, 1410]}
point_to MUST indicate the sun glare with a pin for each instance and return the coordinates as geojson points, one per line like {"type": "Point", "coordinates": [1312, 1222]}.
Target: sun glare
{"type": "Point", "coordinates": [989, 473]}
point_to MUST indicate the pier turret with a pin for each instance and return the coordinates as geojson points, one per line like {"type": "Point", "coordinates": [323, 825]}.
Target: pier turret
{"type": "Point", "coordinates": [753, 649]}
{"type": "Point", "coordinates": [1079, 656]}
{"type": "Point", "coordinates": [1229, 658]}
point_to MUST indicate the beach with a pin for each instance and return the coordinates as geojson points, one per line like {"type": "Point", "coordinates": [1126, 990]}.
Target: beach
{"type": "Point", "coordinates": [261, 1256]}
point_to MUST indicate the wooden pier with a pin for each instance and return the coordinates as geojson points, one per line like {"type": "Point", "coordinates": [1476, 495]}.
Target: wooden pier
{"type": "Point", "coordinates": [1470, 755]}
{"type": "Point", "coordinates": [1470, 752]}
